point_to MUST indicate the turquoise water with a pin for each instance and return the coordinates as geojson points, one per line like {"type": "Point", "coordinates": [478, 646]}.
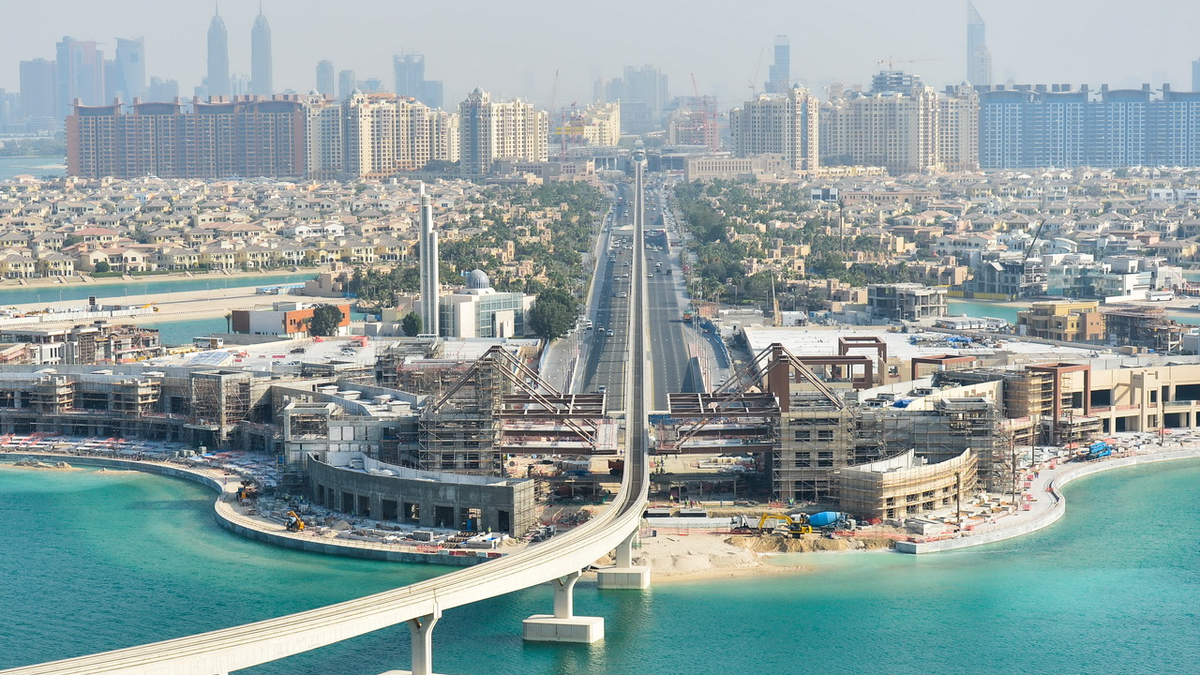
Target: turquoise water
{"type": "Point", "coordinates": [1075, 598]}
{"type": "Point", "coordinates": [978, 309]}
{"type": "Point", "coordinates": [19, 295]}
{"type": "Point", "coordinates": [172, 333]}
{"type": "Point", "coordinates": [33, 166]}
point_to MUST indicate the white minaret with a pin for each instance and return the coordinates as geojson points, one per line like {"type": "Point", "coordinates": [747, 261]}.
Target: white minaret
{"type": "Point", "coordinates": [429, 268]}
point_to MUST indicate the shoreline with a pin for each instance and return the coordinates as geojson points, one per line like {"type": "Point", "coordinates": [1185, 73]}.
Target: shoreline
{"type": "Point", "coordinates": [76, 280]}
{"type": "Point", "coordinates": [231, 518]}
{"type": "Point", "coordinates": [1045, 499]}
{"type": "Point", "coordinates": [672, 558]}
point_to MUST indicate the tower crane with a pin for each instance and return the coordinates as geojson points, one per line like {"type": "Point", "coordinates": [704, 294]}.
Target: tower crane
{"type": "Point", "coordinates": [754, 81]}
{"type": "Point", "coordinates": [889, 61]}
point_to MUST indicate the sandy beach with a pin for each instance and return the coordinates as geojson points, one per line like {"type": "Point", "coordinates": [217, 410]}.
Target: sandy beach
{"type": "Point", "coordinates": [199, 304]}
{"type": "Point", "coordinates": [105, 281]}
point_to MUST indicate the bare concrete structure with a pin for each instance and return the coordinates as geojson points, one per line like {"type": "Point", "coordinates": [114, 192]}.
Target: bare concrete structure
{"type": "Point", "coordinates": [903, 485]}
{"type": "Point", "coordinates": [358, 484]}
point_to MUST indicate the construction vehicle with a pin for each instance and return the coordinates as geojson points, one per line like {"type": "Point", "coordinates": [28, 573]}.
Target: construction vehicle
{"type": "Point", "coordinates": [294, 522]}
{"type": "Point", "coordinates": [1097, 450]}
{"type": "Point", "coordinates": [830, 520]}
{"type": "Point", "coordinates": [792, 527]}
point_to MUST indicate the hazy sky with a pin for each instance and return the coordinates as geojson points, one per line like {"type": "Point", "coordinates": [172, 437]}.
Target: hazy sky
{"type": "Point", "coordinates": [514, 47]}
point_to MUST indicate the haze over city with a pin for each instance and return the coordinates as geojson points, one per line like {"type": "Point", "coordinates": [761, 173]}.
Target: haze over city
{"type": "Point", "coordinates": [515, 50]}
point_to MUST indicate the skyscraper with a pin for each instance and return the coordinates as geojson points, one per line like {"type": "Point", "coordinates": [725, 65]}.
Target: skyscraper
{"type": "Point", "coordinates": [326, 78]}
{"type": "Point", "coordinates": [979, 59]}
{"type": "Point", "coordinates": [80, 74]}
{"type": "Point", "coordinates": [130, 70]}
{"type": "Point", "coordinates": [260, 56]}
{"type": "Point", "coordinates": [409, 72]}
{"type": "Point", "coordinates": [163, 90]}
{"type": "Point", "coordinates": [779, 75]}
{"type": "Point", "coordinates": [218, 58]}
{"type": "Point", "coordinates": [429, 267]}
{"type": "Point", "coordinates": [643, 95]}
{"type": "Point", "coordinates": [1196, 75]}
{"type": "Point", "coordinates": [347, 83]}
{"type": "Point", "coordinates": [38, 87]}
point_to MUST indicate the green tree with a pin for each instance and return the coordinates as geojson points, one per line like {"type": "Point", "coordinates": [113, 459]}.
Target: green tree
{"type": "Point", "coordinates": [325, 320]}
{"type": "Point", "coordinates": [411, 324]}
{"type": "Point", "coordinates": [103, 266]}
{"type": "Point", "coordinates": [552, 314]}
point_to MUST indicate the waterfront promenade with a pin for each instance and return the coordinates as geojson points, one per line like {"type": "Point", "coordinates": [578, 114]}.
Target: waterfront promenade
{"type": "Point", "coordinates": [1042, 503]}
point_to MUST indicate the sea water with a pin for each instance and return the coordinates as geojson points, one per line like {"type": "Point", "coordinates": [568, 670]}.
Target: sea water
{"type": "Point", "coordinates": [94, 560]}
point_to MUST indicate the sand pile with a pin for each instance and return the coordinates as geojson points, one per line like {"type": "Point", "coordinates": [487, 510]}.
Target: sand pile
{"type": "Point", "coordinates": [678, 555]}
{"type": "Point", "coordinates": [807, 544]}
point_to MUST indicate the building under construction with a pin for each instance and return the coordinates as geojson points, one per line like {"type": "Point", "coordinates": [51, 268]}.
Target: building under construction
{"type": "Point", "coordinates": [501, 407]}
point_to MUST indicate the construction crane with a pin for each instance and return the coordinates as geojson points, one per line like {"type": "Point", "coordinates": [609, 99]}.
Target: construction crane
{"type": "Point", "coordinates": [757, 69]}
{"type": "Point", "coordinates": [1032, 242]}
{"type": "Point", "coordinates": [775, 303]}
{"type": "Point", "coordinates": [889, 61]}
{"type": "Point", "coordinates": [708, 118]}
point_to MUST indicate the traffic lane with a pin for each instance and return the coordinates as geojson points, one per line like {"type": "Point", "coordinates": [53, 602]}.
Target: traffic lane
{"type": "Point", "coordinates": [670, 357]}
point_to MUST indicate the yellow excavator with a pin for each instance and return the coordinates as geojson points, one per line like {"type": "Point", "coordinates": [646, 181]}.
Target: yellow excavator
{"type": "Point", "coordinates": [792, 527]}
{"type": "Point", "coordinates": [295, 523]}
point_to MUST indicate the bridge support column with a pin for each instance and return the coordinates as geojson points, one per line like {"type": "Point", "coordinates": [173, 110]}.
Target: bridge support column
{"type": "Point", "coordinates": [563, 625]}
{"type": "Point", "coordinates": [420, 630]}
{"type": "Point", "coordinates": [624, 574]}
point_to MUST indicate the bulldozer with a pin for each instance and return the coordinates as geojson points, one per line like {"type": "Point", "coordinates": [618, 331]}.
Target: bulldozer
{"type": "Point", "coordinates": [294, 522]}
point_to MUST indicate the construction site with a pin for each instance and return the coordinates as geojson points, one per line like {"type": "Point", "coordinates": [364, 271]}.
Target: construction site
{"type": "Point", "coordinates": [831, 430]}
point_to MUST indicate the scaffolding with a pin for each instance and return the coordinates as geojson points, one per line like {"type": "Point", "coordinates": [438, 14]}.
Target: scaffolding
{"type": "Point", "coordinates": [937, 434]}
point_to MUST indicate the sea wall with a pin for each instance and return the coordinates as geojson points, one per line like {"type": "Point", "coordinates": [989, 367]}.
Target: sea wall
{"type": "Point", "coordinates": [228, 517]}
{"type": "Point", "coordinates": [1050, 515]}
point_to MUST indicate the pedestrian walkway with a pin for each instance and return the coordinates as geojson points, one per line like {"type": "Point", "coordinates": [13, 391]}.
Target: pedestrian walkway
{"type": "Point", "coordinates": [1041, 503]}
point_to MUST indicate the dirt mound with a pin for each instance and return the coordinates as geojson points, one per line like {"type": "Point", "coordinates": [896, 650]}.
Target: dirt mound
{"type": "Point", "coordinates": [808, 544]}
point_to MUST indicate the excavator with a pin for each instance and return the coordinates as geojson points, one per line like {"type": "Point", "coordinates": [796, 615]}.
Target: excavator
{"type": "Point", "coordinates": [294, 522]}
{"type": "Point", "coordinates": [792, 527]}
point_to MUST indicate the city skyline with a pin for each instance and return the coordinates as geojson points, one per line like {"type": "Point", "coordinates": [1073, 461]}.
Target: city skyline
{"type": "Point", "coordinates": [1026, 41]}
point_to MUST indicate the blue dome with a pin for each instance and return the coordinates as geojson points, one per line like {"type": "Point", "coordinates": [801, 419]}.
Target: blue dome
{"type": "Point", "coordinates": [478, 280]}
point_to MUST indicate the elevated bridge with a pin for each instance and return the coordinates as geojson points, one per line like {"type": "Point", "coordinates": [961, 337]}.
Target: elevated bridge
{"type": "Point", "coordinates": [559, 561]}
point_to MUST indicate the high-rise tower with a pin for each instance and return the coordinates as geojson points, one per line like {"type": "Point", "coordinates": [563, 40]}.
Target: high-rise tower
{"type": "Point", "coordinates": [326, 79]}
{"type": "Point", "coordinates": [779, 75]}
{"type": "Point", "coordinates": [979, 59]}
{"type": "Point", "coordinates": [260, 56]}
{"type": "Point", "coordinates": [429, 268]}
{"type": "Point", "coordinates": [218, 57]}
{"type": "Point", "coordinates": [130, 69]}
{"type": "Point", "coordinates": [79, 72]}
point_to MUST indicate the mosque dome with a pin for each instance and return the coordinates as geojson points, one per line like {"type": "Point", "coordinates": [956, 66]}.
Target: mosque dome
{"type": "Point", "coordinates": [477, 280]}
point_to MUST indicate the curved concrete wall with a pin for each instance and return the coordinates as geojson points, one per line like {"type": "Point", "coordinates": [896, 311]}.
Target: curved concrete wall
{"type": "Point", "coordinates": [1051, 515]}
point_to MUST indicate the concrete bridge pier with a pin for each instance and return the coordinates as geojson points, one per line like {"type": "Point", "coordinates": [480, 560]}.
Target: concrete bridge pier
{"type": "Point", "coordinates": [624, 574]}
{"type": "Point", "coordinates": [563, 625]}
{"type": "Point", "coordinates": [420, 630]}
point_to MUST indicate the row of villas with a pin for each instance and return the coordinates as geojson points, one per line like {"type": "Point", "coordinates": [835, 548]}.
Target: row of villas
{"type": "Point", "coordinates": [140, 226]}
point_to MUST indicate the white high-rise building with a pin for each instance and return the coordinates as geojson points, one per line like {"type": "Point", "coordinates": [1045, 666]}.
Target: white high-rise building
{"type": "Point", "coordinates": [430, 286]}
{"type": "Point", "coordinates": [779, 124]}
{"type": "Point", "coordinates": [500, 130]}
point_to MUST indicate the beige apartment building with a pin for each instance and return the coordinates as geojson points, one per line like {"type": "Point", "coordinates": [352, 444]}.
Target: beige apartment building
{"type": "Point", "coordinates": [903, 126]}
{"type": "Point", "coordinates": [491, 130]}
{"type": "Point", "coordinates": [1063, 321]}
{"type": "Point", "coordinates": [779, 124]}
